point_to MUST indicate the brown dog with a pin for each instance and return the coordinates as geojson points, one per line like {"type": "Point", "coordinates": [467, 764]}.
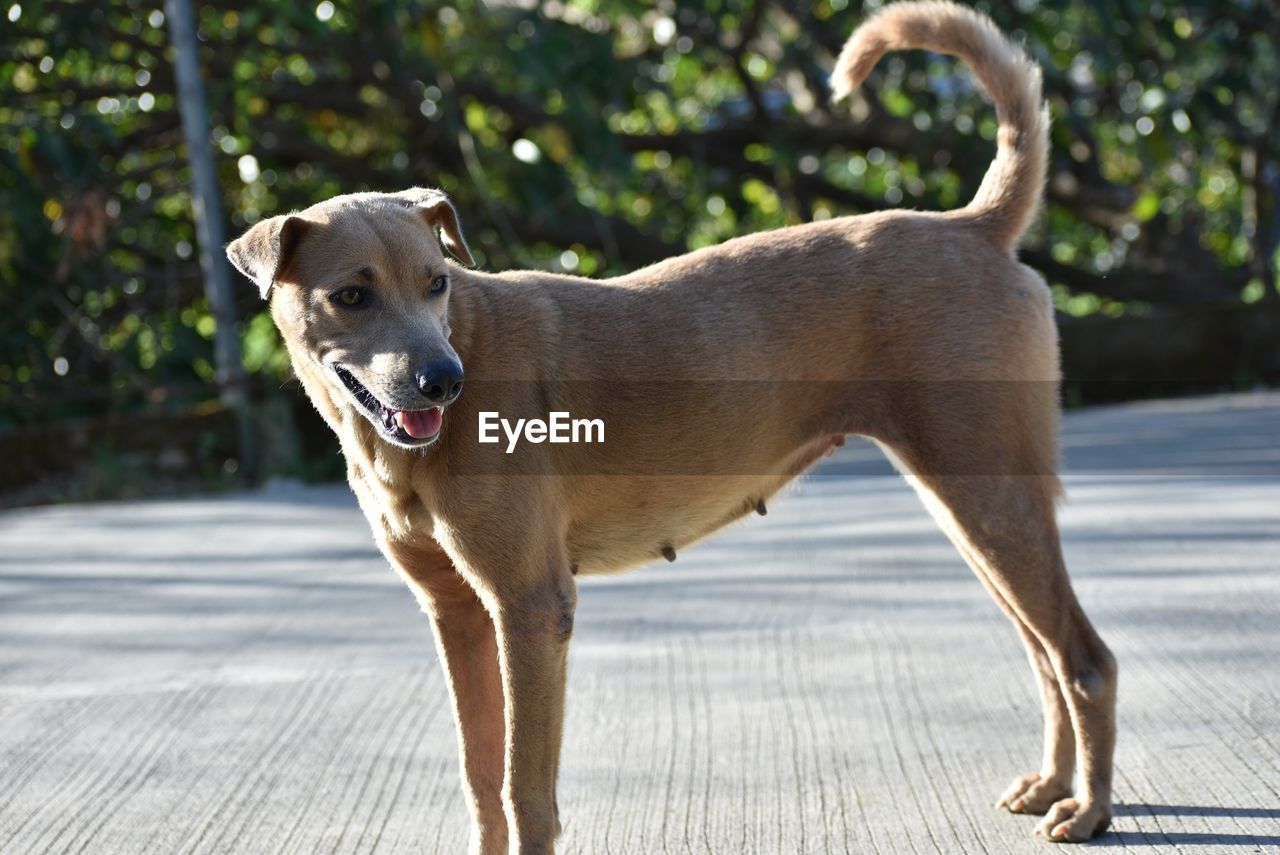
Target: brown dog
{"type": "Point", "coordinates": [719, 376]}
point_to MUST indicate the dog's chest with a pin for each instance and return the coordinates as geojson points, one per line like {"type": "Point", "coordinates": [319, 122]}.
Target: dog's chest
{"type": "Point", "coordinates": [394, 514]}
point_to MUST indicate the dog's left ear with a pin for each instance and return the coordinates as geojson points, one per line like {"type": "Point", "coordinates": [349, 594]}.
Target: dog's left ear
{"type": "Point", "coordinates": [440, 214]}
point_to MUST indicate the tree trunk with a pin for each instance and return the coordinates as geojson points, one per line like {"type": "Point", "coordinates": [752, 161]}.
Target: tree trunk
{"type": "Point", "coordinates": [207, 209]}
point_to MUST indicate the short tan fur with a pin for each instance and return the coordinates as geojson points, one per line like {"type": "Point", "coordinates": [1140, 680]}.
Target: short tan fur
{"type": "Point", "coordinates": [919, 330]}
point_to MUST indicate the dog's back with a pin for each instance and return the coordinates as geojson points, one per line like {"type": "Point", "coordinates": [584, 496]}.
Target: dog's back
{"type": "Point", "coordinates": [816, 292]}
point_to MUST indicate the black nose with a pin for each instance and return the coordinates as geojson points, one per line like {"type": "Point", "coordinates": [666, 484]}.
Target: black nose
{"type": "Point", "coordinates": [440, 382]}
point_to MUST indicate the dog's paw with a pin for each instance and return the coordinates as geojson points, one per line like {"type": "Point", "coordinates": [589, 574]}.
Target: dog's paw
{"type": "Point", "coordinates": [1071, 821]}
{"type": "Point", "coordinates": [1033, 794]}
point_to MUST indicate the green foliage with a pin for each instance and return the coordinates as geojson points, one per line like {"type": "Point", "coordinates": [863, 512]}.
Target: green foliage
{"type": "Point", "coordinates": [590, 137]}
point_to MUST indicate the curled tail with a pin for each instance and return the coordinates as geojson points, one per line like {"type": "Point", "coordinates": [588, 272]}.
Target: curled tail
{"type": "Point", "coordinates": [1009, 197]}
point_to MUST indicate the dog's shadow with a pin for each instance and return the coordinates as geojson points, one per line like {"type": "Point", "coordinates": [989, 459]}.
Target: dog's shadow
{"type": "Point", "coordinates": [1152, 832]}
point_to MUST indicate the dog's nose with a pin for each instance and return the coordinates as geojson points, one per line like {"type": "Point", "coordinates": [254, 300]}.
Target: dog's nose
{"type": "Point", "coordinates": [440, 382]}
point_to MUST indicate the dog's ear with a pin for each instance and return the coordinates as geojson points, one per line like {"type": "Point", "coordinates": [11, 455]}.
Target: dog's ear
{"type": "Point", "coordinates": [440, 214]}
{"type": "Point", "coordinates": [263, 252]}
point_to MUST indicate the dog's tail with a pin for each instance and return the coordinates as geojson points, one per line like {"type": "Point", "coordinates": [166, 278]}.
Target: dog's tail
{"type": "Point", "coordinates": [1009, 197]}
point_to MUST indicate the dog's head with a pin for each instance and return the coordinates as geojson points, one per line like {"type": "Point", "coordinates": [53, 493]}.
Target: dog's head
{"type": "Point", "coordinates": [359, 287]}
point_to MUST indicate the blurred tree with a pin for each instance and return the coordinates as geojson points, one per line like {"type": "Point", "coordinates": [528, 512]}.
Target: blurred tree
{"type": "Point", "coordinates": [593, 136]}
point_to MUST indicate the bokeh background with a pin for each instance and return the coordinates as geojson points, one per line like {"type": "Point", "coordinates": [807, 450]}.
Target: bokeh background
{"type": "Point", "coordinates": [589, 137]}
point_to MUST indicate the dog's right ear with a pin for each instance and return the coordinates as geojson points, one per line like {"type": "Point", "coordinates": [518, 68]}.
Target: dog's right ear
{"type": "Point", "coordinates": [263, 252]}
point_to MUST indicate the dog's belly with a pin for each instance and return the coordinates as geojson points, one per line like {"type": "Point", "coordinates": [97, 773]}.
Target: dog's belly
{"type": "Point", "coordinates": [621, 522]}
{"type": "Point", "coordinates": [648, 519]}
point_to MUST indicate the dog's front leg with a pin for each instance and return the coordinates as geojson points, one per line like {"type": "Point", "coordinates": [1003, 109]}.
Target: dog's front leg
{"type": "Point", "coordinates": [534, 621]}
{"type": "Point", "coordinates": [468, 648]}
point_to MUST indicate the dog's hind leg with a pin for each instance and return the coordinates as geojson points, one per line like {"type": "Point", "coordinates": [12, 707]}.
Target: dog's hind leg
{"type": "Point", "coordinates": [468, 648]}
{"type": "Point", "coordinates": [1037, 791]}
{"type": "Point", "coordinates": [986, 477]}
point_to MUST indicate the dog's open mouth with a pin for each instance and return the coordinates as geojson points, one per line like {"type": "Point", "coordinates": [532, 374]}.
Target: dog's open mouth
{"type": "Point", "coordinates": [407, 427]}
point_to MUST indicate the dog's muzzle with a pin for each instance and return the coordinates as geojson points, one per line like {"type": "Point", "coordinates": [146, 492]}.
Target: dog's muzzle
{"type": "Point", "coordinates": [404, 427]}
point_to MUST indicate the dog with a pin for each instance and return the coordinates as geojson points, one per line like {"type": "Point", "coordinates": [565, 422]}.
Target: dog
{"type": "Point", "coordinates": [718, 376]}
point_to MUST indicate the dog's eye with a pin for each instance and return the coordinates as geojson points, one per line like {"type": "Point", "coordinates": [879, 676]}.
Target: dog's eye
{"type": "Point", "coordinates": [439, 285]}
{"type": "Point", "coordinates": [348, 297]}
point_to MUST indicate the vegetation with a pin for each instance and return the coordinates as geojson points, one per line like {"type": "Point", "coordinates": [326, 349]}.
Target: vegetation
{"type": "Point", "coordinates": [591, 136]}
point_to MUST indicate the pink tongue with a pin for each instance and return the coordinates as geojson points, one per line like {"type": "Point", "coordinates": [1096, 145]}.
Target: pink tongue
{"type": "Point", "coordinates": [420, 424]}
